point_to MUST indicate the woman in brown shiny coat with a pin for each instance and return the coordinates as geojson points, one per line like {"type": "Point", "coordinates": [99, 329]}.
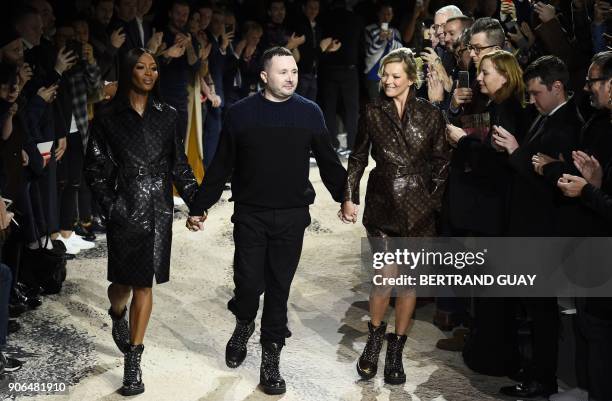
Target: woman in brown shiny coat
{"type": "Point", "coordinates": [408, 143]}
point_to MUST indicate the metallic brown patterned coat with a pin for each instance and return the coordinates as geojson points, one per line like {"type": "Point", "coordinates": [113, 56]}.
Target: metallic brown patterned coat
{"type": "Point", "coordinates": [412, 155]}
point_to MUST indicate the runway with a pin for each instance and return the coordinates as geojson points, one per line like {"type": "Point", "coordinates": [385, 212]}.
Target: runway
{"type": "Point", "coordinates": [68, 338]}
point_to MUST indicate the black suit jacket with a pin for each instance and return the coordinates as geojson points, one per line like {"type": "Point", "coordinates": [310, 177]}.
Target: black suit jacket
{"type": "Point", "coordinates": [595, 139]}
{"type": "Point", "coordinates": [535, 200]}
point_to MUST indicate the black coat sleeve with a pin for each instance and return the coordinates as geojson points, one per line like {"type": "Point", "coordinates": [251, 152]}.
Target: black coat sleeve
{"type": "Point", "coordinates": [597, 200]}
{"type": "Point", "coordinates": [182, 175]}
{"type": "Point", "coordinates": [100, 170]}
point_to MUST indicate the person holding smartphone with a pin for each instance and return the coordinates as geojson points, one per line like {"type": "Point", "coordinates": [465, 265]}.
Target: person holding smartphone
{"type": "Point", "coordinates": [380, 40]}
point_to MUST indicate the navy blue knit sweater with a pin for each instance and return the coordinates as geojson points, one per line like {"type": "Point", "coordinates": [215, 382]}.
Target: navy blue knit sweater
{"type": "Point", "coordinates": [265, 147]}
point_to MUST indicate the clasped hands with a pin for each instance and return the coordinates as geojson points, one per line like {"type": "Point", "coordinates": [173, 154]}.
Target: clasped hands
{"type": "Point", "coordinates": [348, 212]}
{"type": "Point", "coordinates": [196, 223]}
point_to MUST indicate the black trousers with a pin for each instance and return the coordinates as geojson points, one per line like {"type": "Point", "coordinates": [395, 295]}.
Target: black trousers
{"type": "Point", "coordinates": [594, 347]}
{"type": "Point", "coordinates": [70, 172]}
{"type": "Point", "coordinates": [340, 83]}
{"type": "Point", "coordinates": [544, 313]}
{"type": "Point", "coordinates": [268, 248]}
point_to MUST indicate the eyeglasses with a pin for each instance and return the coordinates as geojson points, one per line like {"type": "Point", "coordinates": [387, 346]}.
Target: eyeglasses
{"type": "Point", "coordinates": [590, 81]}
{"type": "Point", "coordinates": [478, 49]}
{"type": "Point", "coordinates": [436, 26]}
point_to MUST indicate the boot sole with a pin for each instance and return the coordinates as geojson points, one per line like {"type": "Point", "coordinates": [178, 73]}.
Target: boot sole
{"type": "Point", "coordinates": [389, 380]}
{"type": "Point", "coordinates": [129, 392]}
{"type": "Point", "coordinates": [272, 390]}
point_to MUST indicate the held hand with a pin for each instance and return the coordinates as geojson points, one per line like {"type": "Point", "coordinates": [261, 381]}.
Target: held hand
{"type": "Point", "coordinates": [571, 185]}
{"type": "Point", "coordinates": [589, 167]}
{"type": "Point", "coordinates": [196, 223]}
{"type": "Point", "coordinates": [348, 212]}
{"type": "Point", "coordinates": [504, 139]}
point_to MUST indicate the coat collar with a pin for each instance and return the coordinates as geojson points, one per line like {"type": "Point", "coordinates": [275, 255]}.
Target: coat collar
{"type": "Point", "coordinates": [123, 104]}
{"type": "Point", "coordinates": [386, 104]}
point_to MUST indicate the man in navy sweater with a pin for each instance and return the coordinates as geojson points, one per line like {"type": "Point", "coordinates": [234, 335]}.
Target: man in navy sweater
{"type": "Point", "coordinates": [264, 147]}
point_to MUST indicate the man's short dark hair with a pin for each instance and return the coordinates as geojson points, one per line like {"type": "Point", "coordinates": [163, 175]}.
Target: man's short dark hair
{"type": "Point", "coordinates": [270, 2]}
{"type": "Point", "coordinates": [273, 52]}
{"type": "Point", "coordinates": [549, 69]}
{"type": "Point", "coordinates": [603, 60]}
{"type": "Point", "coordinates": [492, 29]}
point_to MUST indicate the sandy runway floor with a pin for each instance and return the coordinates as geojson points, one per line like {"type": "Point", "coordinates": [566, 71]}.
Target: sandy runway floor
{"type": "Point", "coordinates": [68, 338]}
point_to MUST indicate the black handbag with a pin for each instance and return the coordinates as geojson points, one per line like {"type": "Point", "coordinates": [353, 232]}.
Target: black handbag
{"type": "Point", "coordinates": [44, 267]}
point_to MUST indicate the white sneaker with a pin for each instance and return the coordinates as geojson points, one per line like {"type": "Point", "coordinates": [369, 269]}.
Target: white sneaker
{"type": "Point", "coordinates": [70, 247]}
{"type": "Point", "coordinates": [79, 242]}
{"type": "Point", "coordinates": [575, 394]}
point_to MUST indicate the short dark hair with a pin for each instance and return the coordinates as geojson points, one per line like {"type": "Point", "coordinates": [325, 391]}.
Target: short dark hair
{"type": "Point", "coordinates": [492, 29]}
{"type": "Point", "coordinates": [603, 60]}
{"type": "Point", "coordinates": [179, 3]}
{"type": "Point", "coordinates": [273, 52]}
{"type": "Point", "coordinates": [549, 69]}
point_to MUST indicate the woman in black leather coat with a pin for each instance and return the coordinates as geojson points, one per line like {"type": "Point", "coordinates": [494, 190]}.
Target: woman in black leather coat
{"type": "Point", "coordinates": [134, 156]}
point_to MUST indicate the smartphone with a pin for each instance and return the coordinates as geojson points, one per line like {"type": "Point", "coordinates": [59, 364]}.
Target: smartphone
{"type": "Point", "coordinates": [75, 47]}
{"type": "Point", "coordinates": [464, 79]}
{"type": "Point", "coordinates": [427, 43]}
{"type": "Point", "coordinates": [384, 26]}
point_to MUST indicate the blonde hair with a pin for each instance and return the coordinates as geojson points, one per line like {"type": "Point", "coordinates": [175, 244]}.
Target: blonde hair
{"type": "Point", "coordinates": [506, 64]}
{"type": "Point", "coordinates": [412, 65]}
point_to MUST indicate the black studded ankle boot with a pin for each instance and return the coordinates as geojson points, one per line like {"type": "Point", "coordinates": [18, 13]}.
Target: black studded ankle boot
{"type": "Point", "coordinates": [367, 365]}
{"type": "Point", "coordinates": [121, 330]}
{"type": "Point", "coordinates": [270, 379]}
{"type": "Point", "coordinates": [236, 348]}
{"type": "Point", "coordinates": [394, 368]}
{"type": "Point", "coordinates": [132, 374]}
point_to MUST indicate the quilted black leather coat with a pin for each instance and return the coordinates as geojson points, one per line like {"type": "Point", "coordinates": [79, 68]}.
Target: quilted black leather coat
{"type": "Point", "coordinates": [131, 163]}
